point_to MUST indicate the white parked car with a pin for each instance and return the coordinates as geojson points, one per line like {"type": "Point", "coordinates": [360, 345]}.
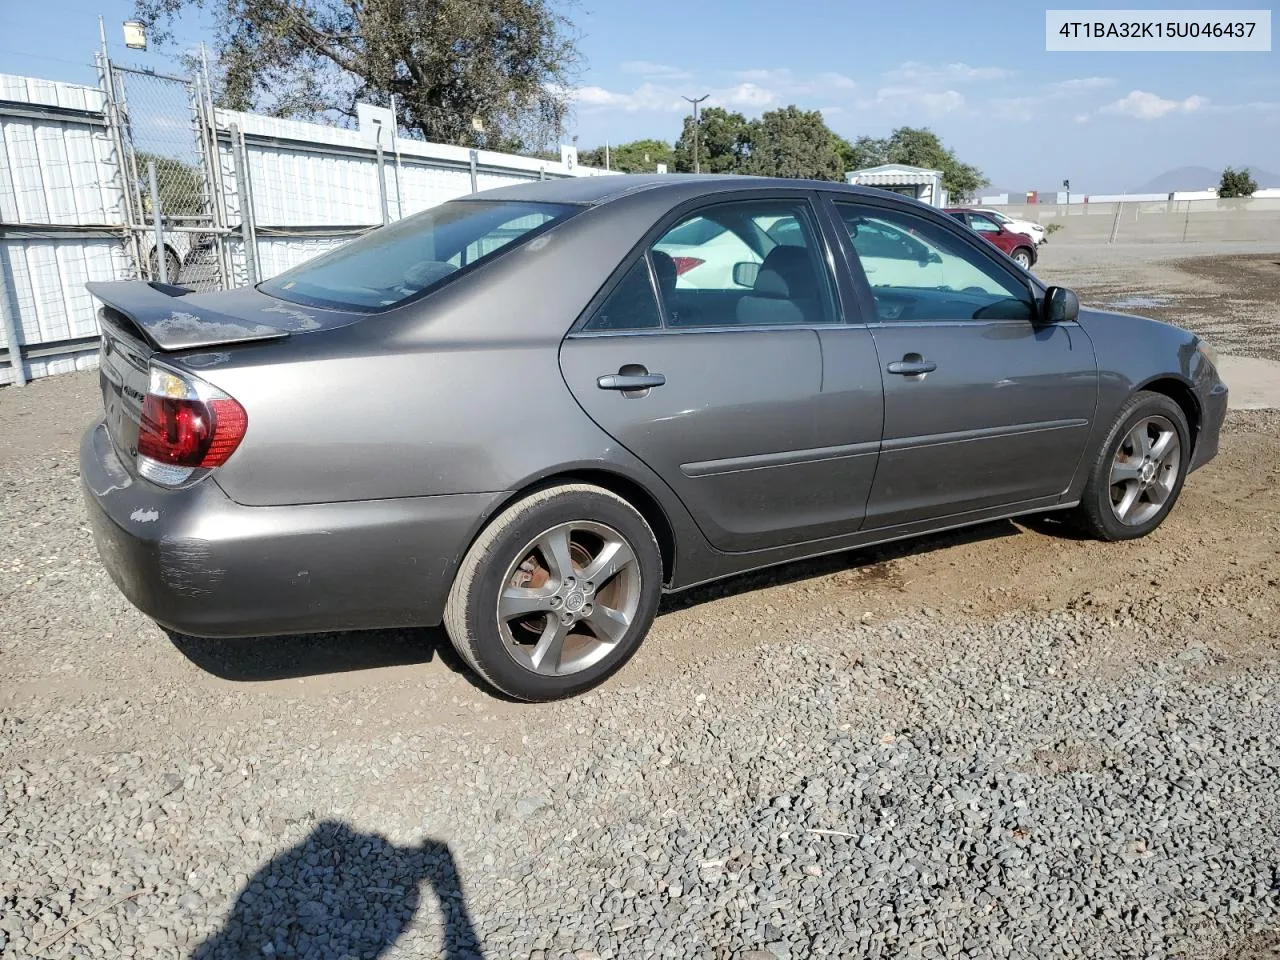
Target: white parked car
{"type": "Point", "coordinates": [1026, 227]}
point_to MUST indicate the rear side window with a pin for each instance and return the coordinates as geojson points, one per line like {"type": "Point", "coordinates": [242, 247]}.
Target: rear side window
{"type": "Point", "coordinates": [631, 305]}
{"type": "Point", "coordinates": [763, 266]}
{"type": "Point", "coordinates": [397, 263]}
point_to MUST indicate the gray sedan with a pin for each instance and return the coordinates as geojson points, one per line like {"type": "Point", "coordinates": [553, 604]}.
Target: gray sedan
{"type": "Point", "coordinates": [529, 412]}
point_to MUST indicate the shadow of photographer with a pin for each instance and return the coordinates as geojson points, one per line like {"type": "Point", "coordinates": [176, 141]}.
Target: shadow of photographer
{"type": "Point", "coordinates": [342, 895]}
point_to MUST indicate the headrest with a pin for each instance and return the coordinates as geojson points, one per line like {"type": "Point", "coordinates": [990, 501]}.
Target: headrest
{"type": "Point", "coordinates": [665, 268]}
{"type": "Point", "coordinates": [787, 273]}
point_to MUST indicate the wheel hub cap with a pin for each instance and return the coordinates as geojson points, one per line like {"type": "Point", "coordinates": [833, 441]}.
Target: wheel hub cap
{"type": "Point", "coordinates": [1148, 472]}
{"type": "Point", "coordinates": [575, 601]}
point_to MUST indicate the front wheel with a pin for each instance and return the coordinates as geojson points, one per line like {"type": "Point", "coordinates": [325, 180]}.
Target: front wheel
{"type": "Point", "coordinates": [1022, 257]}
{"type": "Point", "coordinates": [557, 593]}
{"type": "Point", "coordinates": [1138, 473]}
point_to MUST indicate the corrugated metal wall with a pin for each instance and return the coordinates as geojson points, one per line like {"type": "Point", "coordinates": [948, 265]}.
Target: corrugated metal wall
{"type": "Point", "coordinates": [55, 172]}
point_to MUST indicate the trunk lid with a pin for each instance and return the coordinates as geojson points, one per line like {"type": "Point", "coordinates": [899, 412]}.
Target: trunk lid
{"type": "Point", "coordinates": [142, 320]}
{"type": "Point", "coordinates": [170, 319]}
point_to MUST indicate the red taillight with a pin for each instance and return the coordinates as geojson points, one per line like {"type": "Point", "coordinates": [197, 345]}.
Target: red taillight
{"type": "Point", "coordinates": [183, 432]}
{"type": "Point", "coordinates": [685, 264]}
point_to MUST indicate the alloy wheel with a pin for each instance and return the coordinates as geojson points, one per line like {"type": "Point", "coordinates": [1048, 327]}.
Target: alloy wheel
{"type": "Point", "coordinates": [1144, 470]}
{"type": "Point", "coordinates": [569, 598]}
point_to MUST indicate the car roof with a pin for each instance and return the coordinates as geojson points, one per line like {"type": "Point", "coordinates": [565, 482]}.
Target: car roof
{"type": "Point", "coordinates": [601, 189]}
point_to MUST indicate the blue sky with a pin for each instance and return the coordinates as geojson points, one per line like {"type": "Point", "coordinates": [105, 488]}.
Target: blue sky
{"type": "Point", "coordinates": [981, 79]}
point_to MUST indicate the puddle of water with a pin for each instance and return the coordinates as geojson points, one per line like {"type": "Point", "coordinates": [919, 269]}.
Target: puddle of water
{"type": "Point", "coordinates": [1141, 302]}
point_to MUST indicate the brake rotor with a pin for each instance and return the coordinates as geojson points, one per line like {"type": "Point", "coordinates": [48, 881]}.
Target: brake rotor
{"type": "Point", "coordinates": [533, 574]}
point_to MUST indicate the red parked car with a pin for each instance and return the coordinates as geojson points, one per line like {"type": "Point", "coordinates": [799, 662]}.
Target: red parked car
{"type": "Point", "coordinates": [1017, 245]}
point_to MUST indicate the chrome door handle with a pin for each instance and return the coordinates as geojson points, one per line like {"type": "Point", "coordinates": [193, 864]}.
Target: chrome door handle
{"type": "Point", "coordinates": [630, 381]}
{"type": "Point", "coordinates": [912, 368]}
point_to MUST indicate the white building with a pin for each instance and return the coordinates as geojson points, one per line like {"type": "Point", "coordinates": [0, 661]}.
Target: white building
{"type": "Point", "coordinates": [917, 182]}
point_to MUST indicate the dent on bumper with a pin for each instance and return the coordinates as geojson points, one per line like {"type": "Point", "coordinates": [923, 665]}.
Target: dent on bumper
{"type": "Point", "coordinates": [198, 562]}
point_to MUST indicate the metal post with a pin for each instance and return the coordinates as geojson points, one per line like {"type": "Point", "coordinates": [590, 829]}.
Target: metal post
{"type": "Point", "coordinates": [475, 180]}
{"type": "Point", "coordinates": [11, 335]}
{"type": "Point", "coordinates": [697, 167]}
{"type": "Point", "coordinates": [162, 262]}
{"type": "Point", "coordinates": [606, 154]}
{"type": "Point", "coordinates": [115, 129]}
{"type": "Point", "coordinates": [382, 180]}
{"type": "Point", "coordinates": [395, 148]}
{"type": "Point", "coordinates": [214, 164]}
{"type": "Point", "coordinates": [247, 234]}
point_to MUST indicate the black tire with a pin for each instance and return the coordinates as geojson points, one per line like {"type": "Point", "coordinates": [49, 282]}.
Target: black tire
{"type": "Point", "coordinates": [173, 265]}
{"type": "Point", "coordinates": [1025, 257]}
{"type": "Point", "coordinates": [1095, 515]}
{"type": "Point", "coordinates": [471, 612]}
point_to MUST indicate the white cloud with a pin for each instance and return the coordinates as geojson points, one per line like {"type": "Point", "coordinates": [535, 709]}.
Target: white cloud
{"type": "Point", "coordinates": [1081, 118]}
{"type": "Point", "coordinates": [1017, 109]}
{"type": "Point", "coordinates": [749, 96]}
{"type": "Point", "coordinates": [834, 81]}
{"type": "Point", "coordinates": [646, 97]}
{"type": "Point", "coordinates": [914, 72]}
{"type": "Point", "coordinates": [655, 71]}
{"type": "Point", "coordinates": [915, 99]}
{"type": "Point", "coordinates": [759, 75]}
{"type": "Point", "coordinates": [1148, 106]}
{"type": "Point", "coordinates": [1079, 85]}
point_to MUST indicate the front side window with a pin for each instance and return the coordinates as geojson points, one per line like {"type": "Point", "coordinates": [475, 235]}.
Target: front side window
{"type": "Point", "coordinates": [920, 270]}
{"type": "Point", "coordinates": [750, 263]}
{"type": "Point", "coordinates": [984, 224]}
{"type": "Point", "coordinates": [396, 263]}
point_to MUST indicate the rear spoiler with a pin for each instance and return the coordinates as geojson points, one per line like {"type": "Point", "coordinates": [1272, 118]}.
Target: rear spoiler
{"type": "Point", "coordinates": [158, 310]}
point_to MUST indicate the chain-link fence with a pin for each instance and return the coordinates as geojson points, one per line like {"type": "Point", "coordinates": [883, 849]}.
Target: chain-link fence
{"type": "Point", "coordinates": [163, 125]}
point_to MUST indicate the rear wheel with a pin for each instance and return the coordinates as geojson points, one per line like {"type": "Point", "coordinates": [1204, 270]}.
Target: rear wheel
{"type": "Point", "coordinates": [1138, 473]}
{"type": "Point", "coordinates": [557, 593]}
{"type": "Point", "coordinates": [1022, 257]}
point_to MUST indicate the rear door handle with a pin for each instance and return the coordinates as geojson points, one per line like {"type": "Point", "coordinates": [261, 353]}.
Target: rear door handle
{"type": "Point", "coordinates": [912, 368]}
{"type": "Point", "coordinates": [630, 381]}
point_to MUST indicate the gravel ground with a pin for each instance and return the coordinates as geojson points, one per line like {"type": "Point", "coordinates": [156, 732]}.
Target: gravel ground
{"type": "Point", "coordinates": [1001, 742]}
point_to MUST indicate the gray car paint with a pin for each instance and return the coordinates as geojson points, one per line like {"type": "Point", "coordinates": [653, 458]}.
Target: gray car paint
{"type": "Point", "coordinates": [462, 395]}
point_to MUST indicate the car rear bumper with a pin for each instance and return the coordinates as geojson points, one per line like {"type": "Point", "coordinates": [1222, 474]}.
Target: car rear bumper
{"type": "Point", "coordinates": [199, 563]}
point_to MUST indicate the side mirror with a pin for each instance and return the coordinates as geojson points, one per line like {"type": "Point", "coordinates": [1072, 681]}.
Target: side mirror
{"type": "Point", "coordinates": [1060, 306]}
{"type": "Point", "coordinates": [744, 274]}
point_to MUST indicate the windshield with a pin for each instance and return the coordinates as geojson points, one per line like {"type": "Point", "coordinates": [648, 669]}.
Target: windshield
{"type": "Point", "coordinates": [399, 262]}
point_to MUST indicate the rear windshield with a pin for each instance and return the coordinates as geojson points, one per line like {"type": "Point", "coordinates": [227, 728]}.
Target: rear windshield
{"type": "Point", "coordinates": [399, 262]}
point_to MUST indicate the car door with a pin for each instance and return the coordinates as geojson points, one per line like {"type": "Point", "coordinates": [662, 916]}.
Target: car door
{"type": "Point", "coordinates": [721, 390]}
{"type": "Point", "coordinates": [984, 406]}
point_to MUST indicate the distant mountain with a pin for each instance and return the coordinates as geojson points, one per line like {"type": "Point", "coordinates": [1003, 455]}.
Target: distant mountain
{"type": "Point", "coordinates": [1200, 178]}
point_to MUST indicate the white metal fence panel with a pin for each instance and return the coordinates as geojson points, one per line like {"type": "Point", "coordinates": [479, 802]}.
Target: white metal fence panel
{"type": "Point", "coordinates": [57, 173]}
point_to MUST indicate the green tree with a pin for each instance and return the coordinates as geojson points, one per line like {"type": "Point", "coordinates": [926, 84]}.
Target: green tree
{"type": "Point", "coordinates": [482, 73]}
{"type": "Point", "coordinates": [791, 142]}
{"type": "Point", "coordinates": [1236, 183]}
{"type": "Point", "coordinates": [180, 185]}
{"type": "Point", "coordinates": [722, 142]}
{"type": "Point", "coordinates": [920, 147]}
{"type": "Point", "coordinates": [638, 156]}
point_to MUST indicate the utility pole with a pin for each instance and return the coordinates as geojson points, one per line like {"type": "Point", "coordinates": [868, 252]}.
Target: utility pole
{"type": "Point", "coordinates": [697, 167]}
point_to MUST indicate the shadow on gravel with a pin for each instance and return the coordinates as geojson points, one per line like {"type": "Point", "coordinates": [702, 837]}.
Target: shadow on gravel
{"type": "Point", "coordinates": [312, 654]}
{"type": "Point", "coordinates": [867, 559]}
{"type": "Point", "coordinates": [342, 894]}
{"type": "Point", "coordinates": [305, 655]}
